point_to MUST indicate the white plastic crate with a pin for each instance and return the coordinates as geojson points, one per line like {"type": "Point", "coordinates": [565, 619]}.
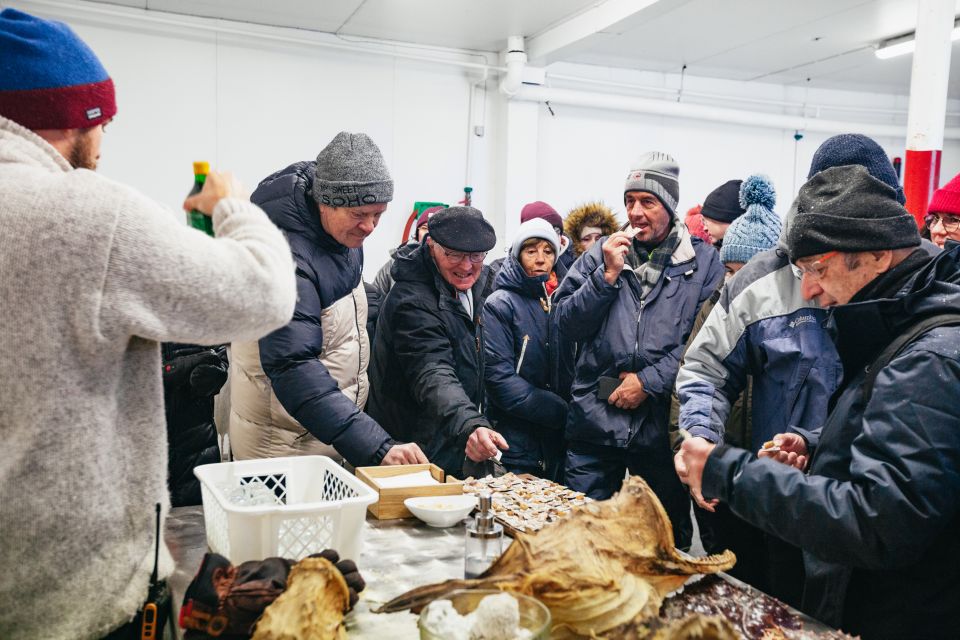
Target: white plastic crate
{"type": "Point", "coordinates": [319, 505]}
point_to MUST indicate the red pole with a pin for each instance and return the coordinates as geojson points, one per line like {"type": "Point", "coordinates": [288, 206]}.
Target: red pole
{"type": "Point", "coordinates": [928, 103]}
{"type": "Point", "coordinates": [920, 180]}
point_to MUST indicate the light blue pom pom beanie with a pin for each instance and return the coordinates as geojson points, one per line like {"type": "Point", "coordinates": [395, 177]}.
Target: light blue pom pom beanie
{"type": "Point", "coordinates": [756, 230]}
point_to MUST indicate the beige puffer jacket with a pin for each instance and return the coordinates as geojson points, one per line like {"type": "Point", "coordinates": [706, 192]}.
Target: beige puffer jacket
{"type": "Point", "coordinates": [259, 425]}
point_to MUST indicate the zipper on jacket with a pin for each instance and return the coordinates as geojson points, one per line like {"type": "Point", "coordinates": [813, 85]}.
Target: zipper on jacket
{"type": "Point", "coordinates": [636, 344]}
{"type": "Point", "coordinates": [636, 348]}
{"type": "Point", "coordinates": [523, 352]}
{"type": "Point", "coordinates": [356, 322]}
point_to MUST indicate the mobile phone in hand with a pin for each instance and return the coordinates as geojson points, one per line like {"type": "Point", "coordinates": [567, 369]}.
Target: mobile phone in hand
{"type": "Point", "coordinates": [606, 386]}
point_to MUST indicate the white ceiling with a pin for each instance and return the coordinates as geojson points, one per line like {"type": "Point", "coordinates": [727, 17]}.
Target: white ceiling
{"type": "Point", "coordinates": [818, 43]}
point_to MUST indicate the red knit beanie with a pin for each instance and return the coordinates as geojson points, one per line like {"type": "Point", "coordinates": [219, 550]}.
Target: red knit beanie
{"type": "Point", "coordinates": [946, 199]}
{"type": "Point", "coordinates": [541, 209]}
{"type": "Point", "coordinates": [694, 222]}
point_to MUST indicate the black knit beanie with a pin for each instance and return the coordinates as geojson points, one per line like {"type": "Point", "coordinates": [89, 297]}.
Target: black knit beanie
{"type": "Point", "coordinates": [847, 209]}
{"type": "Point", "coordinates": [723, 203]}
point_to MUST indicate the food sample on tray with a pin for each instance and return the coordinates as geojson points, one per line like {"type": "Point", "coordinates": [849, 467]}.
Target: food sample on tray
{"type": "Point", "coordinates": [526, 503]}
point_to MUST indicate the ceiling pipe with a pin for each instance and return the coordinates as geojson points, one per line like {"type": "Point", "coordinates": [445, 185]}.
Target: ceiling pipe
{"type": "Point", "coordinates": [705, 112]}
{"type": "Point", "coordinates": [516, 59]}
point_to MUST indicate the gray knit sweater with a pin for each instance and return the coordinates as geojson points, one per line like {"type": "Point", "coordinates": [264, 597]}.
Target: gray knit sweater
{"type": "Point", "coordinates": [93, 276]}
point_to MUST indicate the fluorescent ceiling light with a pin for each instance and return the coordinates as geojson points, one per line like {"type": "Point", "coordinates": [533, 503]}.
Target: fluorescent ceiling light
{"type": "Point", "coordinates": [906, 44]}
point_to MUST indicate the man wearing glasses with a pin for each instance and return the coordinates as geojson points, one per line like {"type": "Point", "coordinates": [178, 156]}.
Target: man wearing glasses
{"type": "Point", "coordinates": [877, 513]}
{"type": "Point", "coordinates": [762, 329]}
{"type": "Point", "coordinates": [427, 368]}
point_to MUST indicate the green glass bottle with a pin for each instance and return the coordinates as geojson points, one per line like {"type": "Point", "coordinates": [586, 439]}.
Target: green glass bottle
{"type": "Point", "coordinates": [197, 219]}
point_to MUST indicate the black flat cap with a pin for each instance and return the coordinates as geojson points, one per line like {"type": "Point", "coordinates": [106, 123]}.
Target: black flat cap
{"type": "Point", "coordinates": [462, 229]}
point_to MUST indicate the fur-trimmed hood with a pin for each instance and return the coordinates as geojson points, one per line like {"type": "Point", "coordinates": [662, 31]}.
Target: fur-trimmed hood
{"type": "Point", "coordinates": [590, 214]}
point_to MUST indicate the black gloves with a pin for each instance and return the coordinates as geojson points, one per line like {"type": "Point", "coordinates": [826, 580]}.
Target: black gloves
{"type": "Point", "coordinates": [226, 601]}
{"type": "Point", "coordinates": [348, 568]}
{"type": "Point", "coordinates": [202, 369]}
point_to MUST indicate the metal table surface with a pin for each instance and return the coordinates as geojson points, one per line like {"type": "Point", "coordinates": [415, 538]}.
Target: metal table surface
{"type": "Point", "coordinates": [396, 556]}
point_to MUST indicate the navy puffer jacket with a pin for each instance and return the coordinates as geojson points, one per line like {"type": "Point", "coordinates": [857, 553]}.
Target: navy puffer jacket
{"type": "Point", "coordinates": [526, 406]}
{"type": "Point", "coordinates": [878, 512]}
{"type": "Point", "coordinates": [293, 356]}
{"type": "Point", "coordinates": [615, 332]}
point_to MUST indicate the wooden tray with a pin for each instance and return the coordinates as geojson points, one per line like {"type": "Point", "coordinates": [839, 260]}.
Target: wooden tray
{"type": "Point", "coordinates": [390, 504]}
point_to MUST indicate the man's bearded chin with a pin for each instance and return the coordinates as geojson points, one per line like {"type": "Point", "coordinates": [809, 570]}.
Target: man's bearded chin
{"type": "Point", "coordinates": [81, 155]}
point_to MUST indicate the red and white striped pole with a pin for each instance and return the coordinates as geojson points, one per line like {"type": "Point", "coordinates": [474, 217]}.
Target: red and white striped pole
{"type": "Point", "coordinates": [928, 103]}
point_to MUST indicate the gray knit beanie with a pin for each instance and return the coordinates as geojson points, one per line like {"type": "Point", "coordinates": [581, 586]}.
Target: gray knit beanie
{"type": "Point", "coordinates": [847, 209]}
{"type": "Point", "coordinates": [657, 173]}
{"type": "Point", "coordinates": [351, 173]}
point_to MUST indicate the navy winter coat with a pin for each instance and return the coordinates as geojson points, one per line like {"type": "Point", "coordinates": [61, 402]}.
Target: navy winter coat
{"type": "Point", "coordinates": [877, 514]}
{"type": "Point", "coordinates": [615, 333]}
{"type": "Point", "coordinates": [526, 406]}
{"type": "Point", "coordinates": [426, 372]}
{"type": "Point", "coordinates": [327, 272]}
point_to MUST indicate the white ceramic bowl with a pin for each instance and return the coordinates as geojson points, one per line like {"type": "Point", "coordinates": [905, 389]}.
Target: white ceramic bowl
{"type": "Point", "coordinates": [441, 511]}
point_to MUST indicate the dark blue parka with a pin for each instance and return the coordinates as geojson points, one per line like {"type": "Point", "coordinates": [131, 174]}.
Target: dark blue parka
{"type": "Point", "coordinates": [877, 514]}
{"type": "Point", "coordinates": [328, 274]}
{"type": "Point", "coordinates": [614, 332]}
{"type": "Point", "coordinates": [525, 406]}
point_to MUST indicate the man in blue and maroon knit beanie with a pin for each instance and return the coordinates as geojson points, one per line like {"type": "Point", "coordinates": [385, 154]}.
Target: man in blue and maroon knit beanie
{"type": "Point", "coordinates": [54, 85]}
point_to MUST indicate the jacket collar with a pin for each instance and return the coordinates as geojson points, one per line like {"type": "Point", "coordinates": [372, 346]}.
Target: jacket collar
{"type": "Point", "coordinates": [21, 145]}
{"type": "Point", "coordinates": [863, 329]}
{"type": "Point", "coordinates": [287, 198]}
{"type": "Point", "coordinates": [512, 277]}
{"type": "Point", "coordinates": [414, 263]}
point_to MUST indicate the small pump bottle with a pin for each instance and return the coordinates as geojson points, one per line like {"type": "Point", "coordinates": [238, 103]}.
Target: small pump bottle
{"type": "Point", "coordinates": [484, 542]}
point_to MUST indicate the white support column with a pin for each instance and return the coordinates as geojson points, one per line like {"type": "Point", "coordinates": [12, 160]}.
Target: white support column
{"type": "Point", "coordinates": [928, 102]}
{"type": "Point", "coordinates": [519, 161]}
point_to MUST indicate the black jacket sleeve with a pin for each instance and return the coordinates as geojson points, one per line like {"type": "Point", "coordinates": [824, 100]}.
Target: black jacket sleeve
{"type": "Point", "coordinates": [905, 475]}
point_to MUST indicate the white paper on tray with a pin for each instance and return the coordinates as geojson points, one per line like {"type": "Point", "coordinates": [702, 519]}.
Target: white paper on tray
{"type": "Point", "coordinates": [417, 479]}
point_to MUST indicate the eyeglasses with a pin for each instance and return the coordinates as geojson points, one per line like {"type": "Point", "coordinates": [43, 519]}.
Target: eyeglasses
{"type": "Point", "coordinates": [950, 223]}
{"type": "Point", "coordinates": [815, 269]}
{"type": "Point", "coordinates": [458, 256]}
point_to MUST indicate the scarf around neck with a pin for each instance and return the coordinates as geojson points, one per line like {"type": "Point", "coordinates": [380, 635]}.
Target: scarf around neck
{"type": "Point", "coordinates": [676, 247]}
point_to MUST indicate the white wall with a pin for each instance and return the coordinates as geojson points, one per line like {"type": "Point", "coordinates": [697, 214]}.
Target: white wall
{"type": "Point", "coordinates": [254, 105]}
{"type": "Point", "coordinates": [585, 153]}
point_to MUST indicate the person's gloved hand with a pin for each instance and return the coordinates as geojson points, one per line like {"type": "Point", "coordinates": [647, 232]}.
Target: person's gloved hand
{"type": "Point", "coordinates": [202, 369]}
{"type": "Point", "coordinates": [351, 575]}
{"type": "Point", "coordinates": [210, 373]}
{"type": "Point", "coordinates": [225, 601]}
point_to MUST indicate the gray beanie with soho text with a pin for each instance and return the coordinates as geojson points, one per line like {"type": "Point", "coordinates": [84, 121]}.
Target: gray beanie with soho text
{"type": "Point", "coordinates": [351, 173]}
